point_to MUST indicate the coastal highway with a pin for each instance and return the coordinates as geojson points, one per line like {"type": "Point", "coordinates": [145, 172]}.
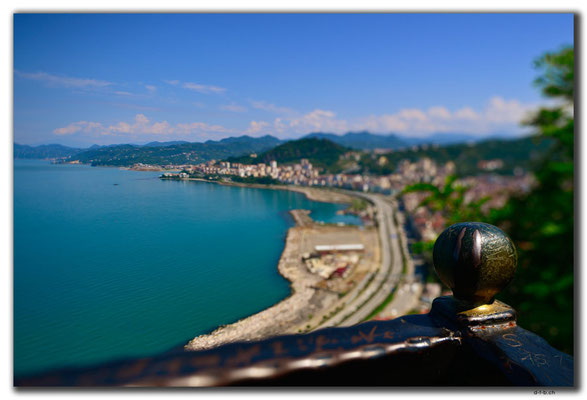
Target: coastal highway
{"type": "Point", "coordinates": [407, 294]}
{"type": "Point", "coordinates": [387, 276]}
{"type": "Point", "coordinates": [353, 308]}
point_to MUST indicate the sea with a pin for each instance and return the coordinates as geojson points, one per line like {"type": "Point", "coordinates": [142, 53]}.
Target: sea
{"type": "Point", "coordinates": [112, 264]}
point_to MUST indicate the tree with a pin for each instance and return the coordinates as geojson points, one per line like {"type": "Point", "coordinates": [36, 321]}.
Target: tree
{"type": "Point", "coordinates": [450, 201]}
{"type": "Point", "coordinates": [541, 223]}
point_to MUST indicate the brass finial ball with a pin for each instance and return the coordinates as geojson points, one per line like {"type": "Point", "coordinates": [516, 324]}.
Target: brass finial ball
{"type": "Point", "coordinates": [475, 260]}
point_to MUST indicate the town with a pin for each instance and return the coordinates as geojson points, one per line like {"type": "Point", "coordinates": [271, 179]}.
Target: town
{"type": "Point", "coordinates": [428, 224]}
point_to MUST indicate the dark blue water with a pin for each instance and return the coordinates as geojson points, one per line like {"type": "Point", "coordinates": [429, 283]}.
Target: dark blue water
{"type": "Point", "coordinates": [111, 263]}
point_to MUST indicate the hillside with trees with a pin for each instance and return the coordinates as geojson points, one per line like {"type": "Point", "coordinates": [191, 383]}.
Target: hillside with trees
{"type": "Point", "coordinates": [540, 222]}
{"type": "Point", "coordinates": [322, 153]}
{"type": "Point", "coordinates": [513, 153]}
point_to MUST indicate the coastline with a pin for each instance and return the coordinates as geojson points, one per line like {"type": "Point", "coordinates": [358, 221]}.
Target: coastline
{"type": "Point", "coordinates": [268, 322]}
{"type": "Point", "coordinates": [324, 195]}
{"type": "Point", "coordinates": [310, 303]}
{"type": "Point", "coordinates": [304, 304]}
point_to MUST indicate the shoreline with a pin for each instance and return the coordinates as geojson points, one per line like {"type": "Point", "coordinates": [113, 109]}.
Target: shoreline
{"type": "Point", "coordinates": [295, 312]}
{"type": "Point", "coordinates": [267, 318]}
{"type": "Point", "coordinates": [291, 314]}
{"type": "Point", "coordinates": [307, 305]}
{"type": "Point", "coordinates": [323, 195]}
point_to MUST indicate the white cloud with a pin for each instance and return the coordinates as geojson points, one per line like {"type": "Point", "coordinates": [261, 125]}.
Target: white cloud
{"type": "Point", "coordinates": [151, 88]}
{"type": "Point", "coordinates": [63, 81]}
{"type": "Point", "coordinates": [141, 126]}
{"type": "Point", "coordinates": [279, 125]}
{"type": "Point", "coordinates": [159, 128]}
{"type": "Point", "coordinates": [75, 127]}
{"type": "Point", "coordinates": [499, 114]}
{"type": "Point", "coordinates": [382, 123]}
{"type": "Point", "coordinates": [196, 127]}
{"type": "Point", "coordinates": [439, 112]}
{"type": "Point", "coordinates": [314, 121]}
{"type": "Point", "coordinates": [466, 113]}
{"type": "Point", "coordinates": [262, 105]}
{"type": "Point", "coordinates": [256, 127]}
{"type": "Point", "coordinates": [206, 89]}
{"type": "Point", "coordinates": [500, 110]}
{"type": "Point", "coordinates": [233, 107]}
{"type": "Point", "coordinates": [412, 114]}
{"type": "Point", "coordinates": [198, 87]}
{"type": "Point", "coordinates": [318, 120]}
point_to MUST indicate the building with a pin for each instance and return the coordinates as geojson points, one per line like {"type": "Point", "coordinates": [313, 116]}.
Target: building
{"type": "Point", "coordinates": [338, 248]}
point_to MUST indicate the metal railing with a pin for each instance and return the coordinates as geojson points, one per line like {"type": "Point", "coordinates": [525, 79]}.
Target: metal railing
{"type": "Point", "coordinates": [466, 339]}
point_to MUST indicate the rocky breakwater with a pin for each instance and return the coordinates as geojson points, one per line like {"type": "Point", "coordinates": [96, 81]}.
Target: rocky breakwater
{"type": "Point", "coordinates": [284, 316]}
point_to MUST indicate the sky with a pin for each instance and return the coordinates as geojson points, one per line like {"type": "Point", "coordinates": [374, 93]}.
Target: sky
{"type": "Point", "coordinates": [83, 79]}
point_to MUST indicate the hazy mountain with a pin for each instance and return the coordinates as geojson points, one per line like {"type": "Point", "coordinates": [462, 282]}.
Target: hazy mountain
{"type": "Point", "coordinates": [163, 144]}
{"type": "Point", "coordinates": [362, 140]}
{"type": "Point", "coordinates": [44, 151]}
{"type": "Point", "coordinates": [181, 153]}
{"type": "Point", "coordinates": [244, 140]}
{"type": "Point", "coordinates": [369, 141]}
{"type": "Point", "coordinates": [266, 140]}
{"type": "Point", "coordinates": [444, 139]}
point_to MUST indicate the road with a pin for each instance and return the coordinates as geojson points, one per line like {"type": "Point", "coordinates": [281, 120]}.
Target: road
{"type": "Point", "coordinates": [391, 267]}
{"type": "Point", "coordinates": [408, 292]}
{"type": "Point", "coordinates": [387, 276]}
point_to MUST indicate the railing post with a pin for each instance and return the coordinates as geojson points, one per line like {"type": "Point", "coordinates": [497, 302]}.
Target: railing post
{"type": "Point", "coordinates": [477, 260]}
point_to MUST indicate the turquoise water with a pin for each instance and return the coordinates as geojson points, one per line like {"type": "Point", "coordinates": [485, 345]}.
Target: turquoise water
{"type": "Point", "coordinates": [111, 263]}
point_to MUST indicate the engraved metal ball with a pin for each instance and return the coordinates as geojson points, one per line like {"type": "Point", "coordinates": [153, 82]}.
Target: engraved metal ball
{"type": "Point", "coordinates": [476, 260]}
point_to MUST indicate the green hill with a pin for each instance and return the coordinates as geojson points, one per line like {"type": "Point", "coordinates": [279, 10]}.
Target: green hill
{"type": "Point", "coordinates": [515, 153]}
{"type": "Point", "coordinates": [322, 153]}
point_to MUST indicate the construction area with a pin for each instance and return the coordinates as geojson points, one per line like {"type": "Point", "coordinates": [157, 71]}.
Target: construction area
{"type": "Point", "coordinates": [327, 265]}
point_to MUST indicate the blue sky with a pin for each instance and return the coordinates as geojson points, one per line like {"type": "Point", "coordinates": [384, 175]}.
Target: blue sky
{"type": "Point", "coordinates": [81, 79]}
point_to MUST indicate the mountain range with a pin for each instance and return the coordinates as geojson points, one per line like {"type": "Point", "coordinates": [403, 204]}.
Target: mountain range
{"type": "Point", "coordinates": [356, 140]}
{"type": "Point", "coordinates": [181, 153]}
{"type": "Point", "coordinates": [368, 141]}
{"type": "Point", "coordinates": [324, 150]}
{"type": "Point", "coordinates": [45, 151]}
{"type": "Point", "coordinates": [152, 152]}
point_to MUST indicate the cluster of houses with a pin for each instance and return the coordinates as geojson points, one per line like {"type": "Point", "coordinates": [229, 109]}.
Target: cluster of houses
{"type": "Point", "coordinates": [496, 188]}
{"type": "Point", "coordinates": [304, 174]}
